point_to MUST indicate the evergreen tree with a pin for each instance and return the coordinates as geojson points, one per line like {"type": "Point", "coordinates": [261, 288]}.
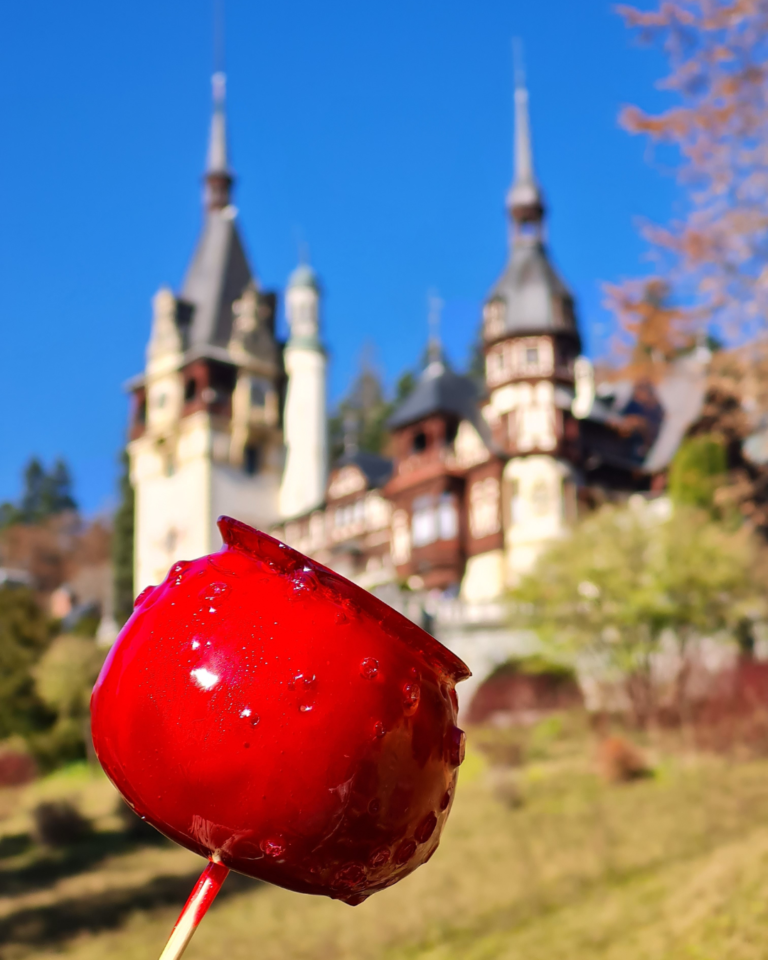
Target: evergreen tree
{"type": "Point", "coordinates": [405, 386]}
{"type": "Point", "coordinates": [44, 494]}
{"type": "Point", "coordinates": [363, 414]}
{"type": "Point", "coordinates": [122, 546]}
{"type": "Point", "coordinates": [57, 494]}
{"type": "Point", "coordinates": [476, 364]}
{"type": "Point", "coordinates": [9, 513]}
{"type": "Point", "coordinates": [34, 491]}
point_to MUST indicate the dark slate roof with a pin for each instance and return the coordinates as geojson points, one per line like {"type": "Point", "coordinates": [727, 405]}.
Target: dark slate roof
{"type": "Point", "coordinates": [377, 470]}
{"type": "Point", "coordinates": [755, 447]}
{"type": "Point", "coordinates": [681, 393]}
{"type": "Point", "coordinates": [217, 276]}
{"type": "Point", "coordinates": [537, 300]}
{"type": "Point", "coordinates": [439, 390]}
{"type": "Point", "coordinates": [614, 395]}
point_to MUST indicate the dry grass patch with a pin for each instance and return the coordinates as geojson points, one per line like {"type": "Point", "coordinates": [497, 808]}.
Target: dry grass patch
{"type": "Point", "coordinates": [663, 867]}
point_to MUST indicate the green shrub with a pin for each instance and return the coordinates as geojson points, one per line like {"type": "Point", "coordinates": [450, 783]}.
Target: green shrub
{"type": "Point", "coordinates": [64, 678]}
{"type": "Point", "coordinates": [59, 824]}
{"type": "Point", "coordinates": [535, 665]}
{"type": "Point", "coordinates": [697, 470]}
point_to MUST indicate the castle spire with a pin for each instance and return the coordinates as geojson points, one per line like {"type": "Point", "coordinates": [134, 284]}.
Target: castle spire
{"type": "Point", "coordinates": [524, 200]}
{"type": "Point", "coordinates": [434, 344]}
{"type": "Point", "coordinates": [218, 177]}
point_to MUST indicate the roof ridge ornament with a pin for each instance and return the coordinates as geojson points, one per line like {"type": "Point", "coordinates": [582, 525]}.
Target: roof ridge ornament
{"type": "Point", "coordinates": [524, 199]}
{"type": "Point", "coordinates": [435, 359]}
{"type": "Point", "coordinates": [218, 176]}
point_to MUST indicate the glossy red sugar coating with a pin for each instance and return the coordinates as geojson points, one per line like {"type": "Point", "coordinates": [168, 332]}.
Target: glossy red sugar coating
{"type": "Point", "coordinates": [263, 711]}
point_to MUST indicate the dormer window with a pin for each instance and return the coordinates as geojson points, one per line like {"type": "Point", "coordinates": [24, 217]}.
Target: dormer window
{"type": "Point", "coordinates": [190, 390]}
{"type": "Point", "coordinates": [420, 442]}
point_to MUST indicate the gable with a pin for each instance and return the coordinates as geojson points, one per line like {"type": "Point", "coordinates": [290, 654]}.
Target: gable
{"type": "Point", "coordinates": [349, 479]}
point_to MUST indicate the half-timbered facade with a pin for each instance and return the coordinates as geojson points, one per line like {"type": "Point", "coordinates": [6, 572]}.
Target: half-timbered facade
{"type": "Point", "coordinates": [481, 480]}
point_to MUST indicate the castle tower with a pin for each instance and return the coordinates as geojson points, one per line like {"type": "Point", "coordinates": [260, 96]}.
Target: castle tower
{"type": "Point", "coordinates": [205, 433]}
{"type": "Point", "coordinates": [306, 437]}
{"type": "Point", "coordinates": [531, 341]}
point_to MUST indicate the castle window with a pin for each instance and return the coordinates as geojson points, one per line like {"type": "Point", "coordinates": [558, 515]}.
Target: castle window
{"type": "Point", "coordinates": [251, 460]}
{"type": "Point", "coordinates": [447, 519]}
{"type": "Point", "coordinates": [424, 523]}
{"type": "Point", "coordinates": [420, 442]}
{"type": "Point", "coordinates": [534, 356]}
{"type": "Point", "coordinates": [190, 389]}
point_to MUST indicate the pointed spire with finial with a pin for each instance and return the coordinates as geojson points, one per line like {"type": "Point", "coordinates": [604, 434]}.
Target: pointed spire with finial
{"type": "Point", "coordinates": [435, 361]}
{"type": "Point", "coordinates": [351, 433]}
{"type": "Point", "coordinates": [303, 275]}
{"type": "Point", "coordinates": [524, 200]}
{"type": "Point", "coordinates": [218, 177]}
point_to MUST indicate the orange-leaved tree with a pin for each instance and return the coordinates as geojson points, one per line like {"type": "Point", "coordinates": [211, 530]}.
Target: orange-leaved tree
{"type": "Point", "coordinates": [713, 258]}
{"type": "Point", "coordinates": [654, 329]}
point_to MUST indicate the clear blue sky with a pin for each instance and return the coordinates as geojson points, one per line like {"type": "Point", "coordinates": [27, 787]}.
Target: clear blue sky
{"type": "Point", "coordinates": [381, 133]}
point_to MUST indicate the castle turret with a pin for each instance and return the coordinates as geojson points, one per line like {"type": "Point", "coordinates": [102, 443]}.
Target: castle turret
{"type": "Point", "coordinates": [305, 429]}
{"type": "Point", "coordinates": [205, 431]}
{"type": "Point", "coordinates": [531, 341]}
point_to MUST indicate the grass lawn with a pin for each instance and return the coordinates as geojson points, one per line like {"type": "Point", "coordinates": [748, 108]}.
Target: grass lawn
{"type": "Point", "coordinates": [540, 862]}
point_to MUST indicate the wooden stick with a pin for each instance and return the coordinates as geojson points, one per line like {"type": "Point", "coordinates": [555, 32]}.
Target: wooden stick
{"type": "Point", "coordinates": [194, 910]}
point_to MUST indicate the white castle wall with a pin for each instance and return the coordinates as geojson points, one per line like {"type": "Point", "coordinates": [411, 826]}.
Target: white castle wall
{"type": "Point", "coordinates": [306, 437]}
{"type": "Point", "coordinates": [537, 509]}
{"type": "Point", "coordinates": [173, 497]}
{"type": "Point", "coordinates": [252, 499]}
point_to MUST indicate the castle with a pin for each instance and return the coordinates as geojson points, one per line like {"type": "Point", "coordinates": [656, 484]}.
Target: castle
{"type": "Point", "coordinates": [226, 419]}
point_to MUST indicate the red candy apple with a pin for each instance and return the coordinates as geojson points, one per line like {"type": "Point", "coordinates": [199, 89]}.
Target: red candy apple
{"type": "Point", "coordinates": [268, 714]}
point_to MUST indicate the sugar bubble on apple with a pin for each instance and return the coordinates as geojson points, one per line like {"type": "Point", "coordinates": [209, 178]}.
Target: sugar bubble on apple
{"type": "Point", "coordinates": [280, 721]}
